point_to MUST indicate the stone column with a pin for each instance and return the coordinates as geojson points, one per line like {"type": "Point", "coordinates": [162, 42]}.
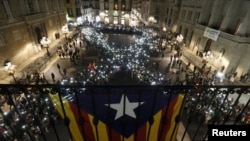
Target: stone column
{"type": "Point", "coordinates": [216, 15]}
{"type": "Point", "coordinates": [7, 9]}
{"type": "Point", "coordinates": [46, 6]}
{"type": "Point", "coordinates": [231, 18]}
{"type": "Point", "coordinates": [206, 12]}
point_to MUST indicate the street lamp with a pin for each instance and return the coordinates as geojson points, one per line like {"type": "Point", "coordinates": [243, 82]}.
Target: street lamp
{"type": "Point", "coordinates": [10, 68]}
{"type": "Point", "coordinates": [65, 30]}
{"type": "Point", "coordinates": [45, 42]}
{"type": "Point", "coordinates": [180, 38]}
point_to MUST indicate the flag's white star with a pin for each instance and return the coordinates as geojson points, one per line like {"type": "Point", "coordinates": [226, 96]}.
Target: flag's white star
{"type": "Point", "coordinates": [129, 108]}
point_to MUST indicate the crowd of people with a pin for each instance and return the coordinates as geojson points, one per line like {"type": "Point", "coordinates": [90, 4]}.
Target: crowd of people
{"type": "Point", "coordinates": [134, 58]}
{"type": "Point", "coordinates": [29, 116]}
{"type": "Point", "coordinates": [137, 59]}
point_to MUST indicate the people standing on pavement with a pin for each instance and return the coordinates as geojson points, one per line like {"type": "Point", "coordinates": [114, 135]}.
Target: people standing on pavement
{"type": "Point", "coordinates": [80, 43]}
{"type": "Point", "coordinates": [64, 71]}
{"type": "Point", "coordinates": [58, 66]}
{"type": "Point", "coordinates": [194, 69]}
{"type": "Point", "coordinates": [171, 58]}
{"type": "Point", "coordinates": [42, 77]}
{"type": "Point", "coordinates": [53, 76]}
{"type": "Point", "coordinates": [222, 68]}
{"type": "Point", "coordinates": [28, 78]}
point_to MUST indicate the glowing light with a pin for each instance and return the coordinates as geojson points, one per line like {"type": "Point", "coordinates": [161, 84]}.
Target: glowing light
{"type": "Point", "coordinates": [180, 38]}
{"type": "Point", "coordinates": [45, 41]}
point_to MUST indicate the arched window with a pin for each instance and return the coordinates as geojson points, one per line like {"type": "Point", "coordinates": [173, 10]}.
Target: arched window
{"type": "Point", "coordinates": [208, 45]}
{"type": "Point", "coordinates": [180, 29]}
{"type": "Point", "coordinates": [38, 34]}
{"type": "Point", "coordinates": [31, 6]}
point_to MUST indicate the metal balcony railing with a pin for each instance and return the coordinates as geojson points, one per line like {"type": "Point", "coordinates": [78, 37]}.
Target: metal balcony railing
{"type": "Point", "coordinates": [108, 112]}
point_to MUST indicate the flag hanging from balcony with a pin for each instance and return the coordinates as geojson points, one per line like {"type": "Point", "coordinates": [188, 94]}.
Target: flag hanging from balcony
{"type": "Point", "coordinates": [117, 114]}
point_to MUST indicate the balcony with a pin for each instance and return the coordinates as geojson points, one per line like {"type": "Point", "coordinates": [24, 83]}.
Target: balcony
{"type": "Point", "coordinates": [34, 17]}
{"type": "Point", "coordinates": [93, 112]}
{"type": "Point", "coordinates": [227, 35]}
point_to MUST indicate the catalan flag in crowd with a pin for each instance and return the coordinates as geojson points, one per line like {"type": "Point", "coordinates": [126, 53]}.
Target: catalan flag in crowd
{"type": "Point", "coordinates": [116, 114]}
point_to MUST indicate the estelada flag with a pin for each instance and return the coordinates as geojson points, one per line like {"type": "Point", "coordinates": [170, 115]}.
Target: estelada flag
{"type": "Point", "coordinates": [121, 114]}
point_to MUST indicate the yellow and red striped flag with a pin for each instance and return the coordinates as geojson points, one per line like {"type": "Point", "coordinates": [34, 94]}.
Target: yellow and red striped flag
{"type": "Point", "coordinates": [147, 114]}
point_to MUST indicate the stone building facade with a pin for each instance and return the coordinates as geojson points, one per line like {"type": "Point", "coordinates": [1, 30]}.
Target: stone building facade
{"type": "Point", "coordinates": [161, 13]}
{"type": "Point", "coordinates": [23, 23]}
{"type": "Point", "coordinates": [217, 31]}
{"type": "Point", "coordinates": [105, 11]}
{"type": "Point", "coordinates": [114, 11]}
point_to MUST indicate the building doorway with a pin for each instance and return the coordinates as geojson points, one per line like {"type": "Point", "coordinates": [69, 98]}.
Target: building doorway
{"type": "Point", "coordinates": [208, 46]}
{"type": "Point", "coordinates": [38, 34]}
{"type": "Point", "coordinates": [115, 20]}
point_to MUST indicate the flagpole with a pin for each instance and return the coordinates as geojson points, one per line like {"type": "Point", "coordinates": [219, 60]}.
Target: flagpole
{"type": "Point", "coordinates": [81, 120]}
{"type": "Point", "coordinates": [51, 119]}
{"type": "Point", "coordinates": [165, 120]}
{"type": "Point", "coordinates": [177, 118]}
{"type": "Point", "coordinates": [190, 117]}
{"type": "Point", "coordinates": [110, 135]}
{"type": "Point", "coordinates": [66, 119]}
{"type": "Point", "coordinates": [151, 120]}
{"type": "Point", "coordinates": [95, 120]}
{"type": "Point", "coordinates": [137, 117]}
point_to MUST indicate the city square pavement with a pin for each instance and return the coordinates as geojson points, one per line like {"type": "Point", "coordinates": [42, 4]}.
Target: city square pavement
{"type": "Point", "coordinates": [43, 64]}
{"type": "Point", "coordinates": [36, 63]}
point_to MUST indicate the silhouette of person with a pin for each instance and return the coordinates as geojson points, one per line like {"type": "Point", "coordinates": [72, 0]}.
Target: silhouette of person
{"type": "Point", "coordinates": [53, 76]}
{"type": "Point", "coordinates": [64, 71]}
{"type": "Point", "coordinates": [58, 66]}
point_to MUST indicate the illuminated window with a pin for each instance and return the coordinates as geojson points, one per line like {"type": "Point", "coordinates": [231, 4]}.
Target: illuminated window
{"type": "Point", "coordinates": [123, 21]}
{"type": "Point", "coordinates": [115, 20]}
{"type": "Point", "coordinates": [115, 13]}
{"type": "Point", "coordinates": [116, 6]}
{"type": "Point", "coordinates": [106, 19]}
